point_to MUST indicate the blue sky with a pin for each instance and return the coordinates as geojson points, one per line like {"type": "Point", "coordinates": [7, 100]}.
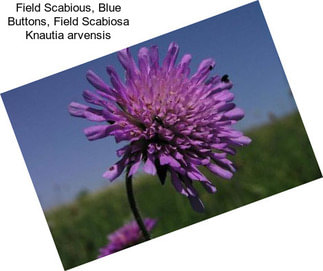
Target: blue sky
{"type": "Point", "coordinates": [60, 159]}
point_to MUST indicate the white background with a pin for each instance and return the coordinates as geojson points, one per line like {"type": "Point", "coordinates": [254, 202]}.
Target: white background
{"type": "Point", "coordinates": [283, 232]}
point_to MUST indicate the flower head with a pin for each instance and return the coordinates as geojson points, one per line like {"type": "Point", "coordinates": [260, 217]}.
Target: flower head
{"type": "Point", "coordinates": [172, 121]}
{"type": "Point", "coordinates": [126, 236]}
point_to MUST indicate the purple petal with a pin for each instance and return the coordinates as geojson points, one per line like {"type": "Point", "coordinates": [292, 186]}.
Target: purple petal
{"type": "Point", "coordinates": [219, 146]}
{"type": "Point", "coordinates": [92, 98]}
{"type": "Point", "coordinates": [83, 111]}
{"type": "Point", "coordinates": [154, 57]}
{"type": "Point", "coordinates": [98, 83]}
{"type": "Point", "coordinates": [128, 62]}
{"type": "Point", "coordinates": [171, 56]}
{"type": "Point", "coordinates": [224, 95]}
{"type": "Point", "coordinates": [143, 60]}
{"type": "Point", "coordinates": [99, 131]}
{"type": "Point", "coordinates": [203, 70]}
{"type": "Point", "coordinates": [219, 87]}
{"type": "Point", "coordinates": [168, 160]}
{"type": "Point", "coordinates": [115, 171]}
{"type": "Point", "coordinates": [223, 107]}
{"type": "Point", "coordinates": [77, 109]}
{"type": "Point", "coordinates": [149, 167]}
{"type": "Point", "coordinates": [194, 174]}
{"type": "Point", "coordinates": [231, 134]}
{"type": "Point", "coordinates": [220, 171]}
{"type": "Point", "coordinates": [135, 166]}
{"type": "Point", "coordinates": [189, 187]}
{"type": "Point", "coordinates": [240, 141]}
{"type": "Point", "coordinates": [216, 155]}
{"type": "Point", "coordinates": [116, 82]}
{"type": "Point", "coordinates": [209, 187]}
{"type": "Point", "coordinates": [196, 204]}
{"type": "Point", "coordinates": [123, 150]}
{"type": "Point", "coordinates": [112, 116]}
{"type": "Point", "coordinates": [235, 114]}
{"type": "Point", "coordinates": [183, 66]}
{"type": "Point", "coordinates": [177, 183]}
{"type": "Point", "coordinates": [244, 140]}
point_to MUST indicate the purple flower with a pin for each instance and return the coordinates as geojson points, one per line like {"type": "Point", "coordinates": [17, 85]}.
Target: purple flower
{"type": "Point", "coordinates": [126, 236]}
{"type": "Point", "coordinates": [172, 121]}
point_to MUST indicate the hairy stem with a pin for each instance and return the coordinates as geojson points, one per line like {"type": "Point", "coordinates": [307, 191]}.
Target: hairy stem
{"type": "Point", "coordinates": [133, 206]}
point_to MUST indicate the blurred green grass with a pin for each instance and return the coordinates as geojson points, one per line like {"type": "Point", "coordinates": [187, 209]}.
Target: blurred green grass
{"type": "Point", "coordinates": [279, 158]}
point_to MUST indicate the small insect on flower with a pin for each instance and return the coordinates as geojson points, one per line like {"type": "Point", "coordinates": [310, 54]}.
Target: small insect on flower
{"type": "Point", "coordinates": [127, 236]}
{"type": "Point", "coordinates": [159, 121]}
{"type": "Point", "coordinates": [173, 122]}
{"type": "Point", "coordinates": [225, 78]}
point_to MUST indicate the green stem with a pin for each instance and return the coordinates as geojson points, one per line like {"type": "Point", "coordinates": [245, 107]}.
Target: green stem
{"type": "Point", "coordinates": [134, 208]}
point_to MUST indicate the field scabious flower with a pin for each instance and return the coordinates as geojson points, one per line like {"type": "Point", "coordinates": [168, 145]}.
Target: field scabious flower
{"type": "Point", "coordinates": [173, 122]}
{"type": "Point", "coordinates": [126, 236]}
